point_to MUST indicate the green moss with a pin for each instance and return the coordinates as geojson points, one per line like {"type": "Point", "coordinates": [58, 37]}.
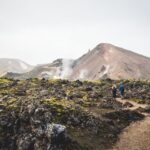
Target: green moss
{"type": "Point", "coordinates": [139, 101]}
{"type": "Point", "coordinates": [60, 105]}
{"type": "Point", "coordinates": [86, 104]}
{"type": "Point", "coordinates": [4, 80]}
{"type": "Point", "coordinates": [13, 107]}
{"type": "Point", "coordinates": [54, 81]}
{"type": "Point", "coordinates": [68, 91]}
{"type": "Point", "coordinates": [11, 101]}
{"type": "Point", "coordinates": [2, 105]}
{"type": "Point", "coordinates": [85, 97]}
{"type": "Point", "coordinates": [4, 92]}
{"type": "Point", "coordinates": [9, 104]}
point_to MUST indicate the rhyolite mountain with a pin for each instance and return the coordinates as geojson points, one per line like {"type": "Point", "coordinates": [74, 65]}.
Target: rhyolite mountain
{"type": "Point", "coordinates": [13, 65]}
{"type": "Point", "coordinates": [109, 61]}
{"type": "Point", "coordinates": [104, 61]}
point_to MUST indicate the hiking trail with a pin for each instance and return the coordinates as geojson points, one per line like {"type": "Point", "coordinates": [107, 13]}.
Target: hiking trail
{"type": "Point", "coordinates": [135, 105]}
{"type": "Point", "coordinates": [137, 135]}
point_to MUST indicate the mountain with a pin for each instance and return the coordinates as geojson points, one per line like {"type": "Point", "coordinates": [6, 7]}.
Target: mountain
{"type": "Point", "coordinates": [13, 65]}
{"type": "Point", "coordinates": [104, 61]}
{"type": "Point", "coordinates": [60, 68]}
{"type": "Point", "coordinates": [109, 61]}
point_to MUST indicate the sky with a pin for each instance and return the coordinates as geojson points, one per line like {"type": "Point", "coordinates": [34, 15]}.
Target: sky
{"type": "Point", "coordinates": [40, 31]}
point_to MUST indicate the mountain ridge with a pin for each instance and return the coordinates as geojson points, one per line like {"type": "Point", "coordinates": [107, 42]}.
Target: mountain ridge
{"type": "Point", "coordinates": [104, 61]}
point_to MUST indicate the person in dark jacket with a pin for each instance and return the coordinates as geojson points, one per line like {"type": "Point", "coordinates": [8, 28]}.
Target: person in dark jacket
{"type": "Point", "coordinates": [114, 91]}
{"type": "Point", "coordinates": [121, 89]}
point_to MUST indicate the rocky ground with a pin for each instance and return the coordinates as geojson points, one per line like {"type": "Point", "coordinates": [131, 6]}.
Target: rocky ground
{"type": "Point", "coordinates": [66, 115]}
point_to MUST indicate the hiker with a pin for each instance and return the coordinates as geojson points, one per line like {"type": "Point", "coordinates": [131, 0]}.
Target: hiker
{"type": "Point", "coordinates": [114, 91]}
{"type": "Point", "coordinates": [121, 89]}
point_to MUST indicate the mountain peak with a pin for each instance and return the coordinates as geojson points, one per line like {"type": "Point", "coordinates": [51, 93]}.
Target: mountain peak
{"type": "Point", "coordinates": [105, 44]}
{"type": "Point", "coordinates": [105, 47]}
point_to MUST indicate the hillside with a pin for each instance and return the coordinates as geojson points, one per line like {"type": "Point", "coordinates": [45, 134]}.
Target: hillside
{"type": "Point", "coordinates": [109, 61]}
{"type": "Point", "coordinates": [13, 65]}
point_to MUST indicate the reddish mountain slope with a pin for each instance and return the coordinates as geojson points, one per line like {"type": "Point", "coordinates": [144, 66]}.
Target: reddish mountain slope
{"type": "Point", "coordinates": [109, 61]}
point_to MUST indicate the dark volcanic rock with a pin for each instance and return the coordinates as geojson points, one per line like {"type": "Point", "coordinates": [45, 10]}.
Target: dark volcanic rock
{"type": "Point", "coordinates": [64, 115]}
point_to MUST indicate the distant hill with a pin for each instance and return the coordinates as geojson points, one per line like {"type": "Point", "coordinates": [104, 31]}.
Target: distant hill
{"type": "Point", "coordinates": [13, 65]}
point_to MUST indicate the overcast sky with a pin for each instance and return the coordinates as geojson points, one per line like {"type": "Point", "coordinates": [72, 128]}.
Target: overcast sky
{"type": "Point", "coordinates": [39, 31]}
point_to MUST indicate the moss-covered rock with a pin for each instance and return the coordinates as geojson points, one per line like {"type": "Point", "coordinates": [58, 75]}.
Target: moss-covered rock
{"type": "Point", "coordinates": [86, 108]}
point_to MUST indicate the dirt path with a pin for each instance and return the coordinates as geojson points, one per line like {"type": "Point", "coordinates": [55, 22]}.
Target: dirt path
{"type": "Point", "coordinates": [135, 105]}
{"type": "Point", "coordinates": [137, 135]}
